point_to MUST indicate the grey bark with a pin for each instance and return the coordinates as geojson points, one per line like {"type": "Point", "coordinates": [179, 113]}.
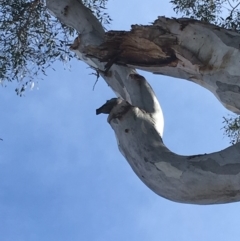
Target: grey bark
{"type": "Point", "coordinates": [181, 48]}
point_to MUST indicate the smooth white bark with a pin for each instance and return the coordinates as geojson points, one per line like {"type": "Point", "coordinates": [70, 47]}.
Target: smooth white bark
{"type": "Point", "coordinates": [137, 117]}
{"type": "Point", "coordinates": [202, 53]}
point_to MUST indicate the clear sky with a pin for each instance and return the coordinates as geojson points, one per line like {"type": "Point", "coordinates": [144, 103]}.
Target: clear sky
{"type": "Point", "coordinates": [62, 177]}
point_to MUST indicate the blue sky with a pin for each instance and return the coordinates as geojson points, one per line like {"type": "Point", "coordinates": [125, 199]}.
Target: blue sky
{"type": "Point", "coordinates": [62, 176]}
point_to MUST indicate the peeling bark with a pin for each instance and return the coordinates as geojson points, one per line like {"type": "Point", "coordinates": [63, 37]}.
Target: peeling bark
{"type": "Point", "coordinates": [202, 53]}
{"type": "Point", "coordinates": [183, 48]}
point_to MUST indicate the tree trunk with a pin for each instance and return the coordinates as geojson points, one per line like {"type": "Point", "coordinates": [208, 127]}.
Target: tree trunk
{"type": "Point", "coordinates": [182, 48]}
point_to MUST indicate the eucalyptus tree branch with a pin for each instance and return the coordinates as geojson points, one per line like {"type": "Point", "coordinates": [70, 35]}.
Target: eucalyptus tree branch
{"type": "Point", "coordinates": [136, 116]}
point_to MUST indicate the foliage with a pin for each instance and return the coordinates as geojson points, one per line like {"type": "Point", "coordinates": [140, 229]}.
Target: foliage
{"type": "Point", "coordinates": [224, 13]}
{"type": "Point", "coordinates": [232, 128]}
{"type": "Point", "coordinates": [97, 6]}
{"type": "Point", "coordinates": [31, 39]}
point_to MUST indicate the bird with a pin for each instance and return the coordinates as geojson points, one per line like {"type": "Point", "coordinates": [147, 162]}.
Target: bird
{"type": "Point", "coordinates": [108, 106]}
